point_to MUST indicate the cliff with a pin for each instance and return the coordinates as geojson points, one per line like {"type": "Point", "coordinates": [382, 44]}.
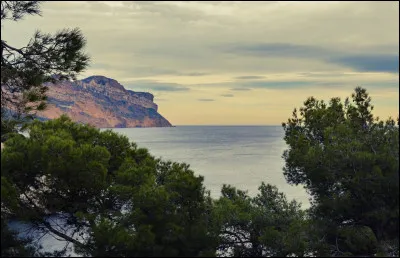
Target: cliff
{"type": "Point", "coordinates": [102, 102]}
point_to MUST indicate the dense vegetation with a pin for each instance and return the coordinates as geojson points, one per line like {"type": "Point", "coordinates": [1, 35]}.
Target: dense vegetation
{"type": "Point", "coordinates": [115, 199]}
{"type": "Point", "coordinates": [348, 161]}
{"type": "Point", "coordinates": [122, 199]}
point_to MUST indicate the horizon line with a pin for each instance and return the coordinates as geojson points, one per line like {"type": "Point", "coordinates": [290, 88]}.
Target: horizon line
{"type": "Point", "coordinates": [229, 125]}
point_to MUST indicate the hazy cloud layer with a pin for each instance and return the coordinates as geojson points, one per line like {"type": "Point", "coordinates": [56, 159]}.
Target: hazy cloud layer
{"type": "Point", "coordinates": [364, 62]}
{"type": "Point", "coordinates": [192, 50]}
{"type": "Point", "coordinates": [155, 86]}
{"type": "Point", "coordinates": [249, 77]}
{"type": "Point", "coordinates": [371, 63]}
{"type": "Point", "coordinates": [206, 100]}
{"type": "Point", "coordinates": [240, 89]}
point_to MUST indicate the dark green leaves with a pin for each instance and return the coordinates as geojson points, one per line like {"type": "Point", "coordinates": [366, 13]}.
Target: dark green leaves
{"type": "Point", "coordinates": [266, 225]}
{"type": "Point", "coordinates": [126, 202]}
{"type": "Point", "coordinates": [348, 161]}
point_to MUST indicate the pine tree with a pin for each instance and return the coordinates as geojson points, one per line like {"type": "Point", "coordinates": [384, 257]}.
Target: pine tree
{"type": "Point", "coordinates": [348, 161]}
{"type": "Point", "coordinates": [24, 71]}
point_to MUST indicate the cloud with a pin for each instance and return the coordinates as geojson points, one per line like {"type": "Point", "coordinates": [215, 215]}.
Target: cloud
{"type": "Point", "coordinates": [154, 39]}
{"type": "Point", "coordinates": [166, 88]}
{"type": "Point", "coordinates": [365, 62]}
{"type": "Point", "coordinates": [387, 86]}
{"type": "Point", "coordinates": [277, 84]}
{"type": "Point", "coordinates": [155, 86]}
{"type": "Point", "coordinates": [193, 74]}
{"type": "Point", "coordinates": [249, 77]}
{"type": "Point", "coordinates": [283, 85]}
{"type": "Point", "coordinates": [99, 65]}
{"type": "Point", "coordinates": [282, 50]}
{"type": "Point", "coordinates": [370, 63]}
{"type": "Point", "coordinates": [227, 95]}
{"type": "Point", "coordinates": [206, 100]}
{"type": "Point", "coordinates": [240, 89]}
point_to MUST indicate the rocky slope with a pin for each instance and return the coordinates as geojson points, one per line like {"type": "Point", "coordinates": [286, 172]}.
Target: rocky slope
{"type": "Point", "coordinates": [102, 102]}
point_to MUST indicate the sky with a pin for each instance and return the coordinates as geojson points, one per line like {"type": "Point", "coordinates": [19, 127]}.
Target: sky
{"type": "Point", "coordinates": [234, 63]}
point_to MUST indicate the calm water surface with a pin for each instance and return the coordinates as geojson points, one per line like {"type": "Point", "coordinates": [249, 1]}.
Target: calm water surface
{"type": "Point", "coordinates": [242, 156]}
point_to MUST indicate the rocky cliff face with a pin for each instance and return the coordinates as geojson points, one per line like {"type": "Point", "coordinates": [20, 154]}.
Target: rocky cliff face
{"type": "Point", "coordinates": [102, 102]}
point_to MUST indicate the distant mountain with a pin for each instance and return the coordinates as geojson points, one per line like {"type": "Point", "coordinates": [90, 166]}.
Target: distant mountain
{"type": "Point", "coordinates": [102, 102]}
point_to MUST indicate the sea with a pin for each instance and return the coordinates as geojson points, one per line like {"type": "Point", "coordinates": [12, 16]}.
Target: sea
{"type": "Point", "coordinates": [241, 156]}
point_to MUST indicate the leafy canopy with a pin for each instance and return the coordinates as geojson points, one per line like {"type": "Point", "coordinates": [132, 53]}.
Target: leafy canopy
{"type": "Point", "coordinates": [348, 161]}
{"type": "Point", "coordinates": [117, 197]}
{"type": "Point", "coordinates": [262, 226]}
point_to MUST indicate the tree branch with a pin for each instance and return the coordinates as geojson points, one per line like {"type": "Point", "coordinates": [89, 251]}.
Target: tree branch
{"type": "Point", "coordinates": [54, 231]}
{"type": "Point", "coordinates": [236, 236]}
